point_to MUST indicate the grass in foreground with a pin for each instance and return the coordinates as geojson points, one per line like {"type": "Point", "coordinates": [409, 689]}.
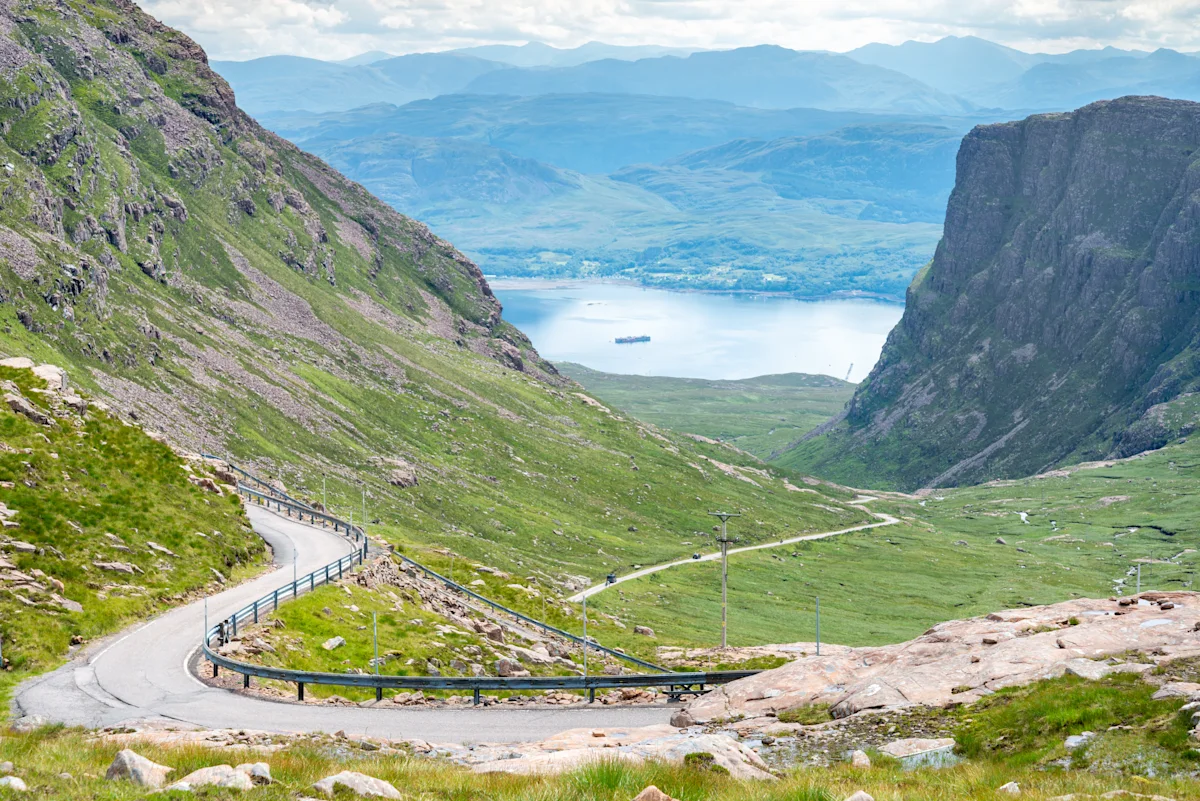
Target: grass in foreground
{"type": "Point", "coordinates": [40, 758]}
{"type": "Point", "coordinates": [759, 415]}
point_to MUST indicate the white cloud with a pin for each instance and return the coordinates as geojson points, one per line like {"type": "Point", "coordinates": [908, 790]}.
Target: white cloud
{"type": "Point", "coordinates": [238, 29]}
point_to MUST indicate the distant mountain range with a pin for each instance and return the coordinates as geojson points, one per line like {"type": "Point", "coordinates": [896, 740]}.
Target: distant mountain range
{"type": "Point", "coordinates": [753, 168]}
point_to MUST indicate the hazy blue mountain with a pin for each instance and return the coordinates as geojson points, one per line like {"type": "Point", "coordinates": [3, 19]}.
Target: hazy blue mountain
{"type": "Point", "coordinates": [905, 172]}
{"type": "Point", "coordinates": [586, 133]}
{"type": "Point", "coordinates": [284, 83]}
{"type": "Point", "coordinates": [958, 65]}
{"type": "Point", "coordinates": [537, 54]}
{"type": "Point", "coordinates": [762, 77]}
{"type": "Point", "coordinates": [419, 174]}
{"type": "Point", "coordinates": [1066, 85]}
{"type": "Point", "coordinates": [813, 215]}
{"type": "Point", "coordinates": [369, 57]}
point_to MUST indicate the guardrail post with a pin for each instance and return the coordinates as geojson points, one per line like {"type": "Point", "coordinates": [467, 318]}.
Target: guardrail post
{"type": "Point", "coordinates": [378, 693]}
{"type": "Point", "coordinates": [216, 670]}
{"type": "Point", "coordinates": [246, 682]}
{"type": "Point", "coordinates": [233, 624]}
{"type": "Point", "coordinates": [256, 611]}
{"type": "Point", "coordinates": [300, 690]}
{"type": "Point", "coordinates": [339, 568]}
{"type": "Point", "coordinates": [476, 696]}
{"type": "Point", "coordinates": [276, 595]}
{"type": "Point", "coordinates": [591, 695]}
{"type": "Point", "coordinates": [312, 580]}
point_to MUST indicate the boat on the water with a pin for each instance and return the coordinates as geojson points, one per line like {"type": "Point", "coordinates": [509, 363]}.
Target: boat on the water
{"type": "Point", "coordinates": [631, 340]}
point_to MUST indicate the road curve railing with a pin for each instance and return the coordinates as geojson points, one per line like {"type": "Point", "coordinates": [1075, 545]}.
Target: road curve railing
{"type": "Point", "coordinates": [675, 684]}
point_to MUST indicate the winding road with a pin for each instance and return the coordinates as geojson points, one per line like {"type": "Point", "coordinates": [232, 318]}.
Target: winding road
{"type": "Point", "coordinates": [885, 520]}
{"type": "Point", "coordinates": [144, 673]}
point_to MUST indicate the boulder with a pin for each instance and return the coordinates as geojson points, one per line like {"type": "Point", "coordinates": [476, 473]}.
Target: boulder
{"type": "Point", "coordinates": [682, 719]}
{"type": "Point", "coordinates": [333, 642]}
{"type": "Point", "coordinates": [357, 783]}
{"type": "Point", "coordinates": [54, 376]}
{"type": "Point", "coordinates": [136, 768]}
{"type": "Point", "coordinates": [859, 759]}
{"type": "Point", "coordinates": [225, 776]}
{"type": "Point", "coordinates": [902, 749]}
{"type": "Point", "coordinates": [14, 784]}
{"type": "Point", "coordinates": [652, 793]}
{"type": "Point", "coordinates": [510, 669]}
{"type": "Point", "coordinates": [645, 631]}
{"type": "Point", "coordinates": [259, 772]}
{"type": "Point", "coordinates": [28, 723]}
{"type": "Point", "coordinates": [875, 695]}
{"type": "Point", "coordinates": [18, 363]}
{"type": "Point", "coordinates": [1012, 788]}
{"type": "Point", "coordinates": [1088, 669]}
{"type": "Point", "coordinates": [23, 407]}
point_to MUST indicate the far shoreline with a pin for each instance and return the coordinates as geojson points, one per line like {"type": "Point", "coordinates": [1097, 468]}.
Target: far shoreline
{"type": "Point", "coordinates": [503, 283]}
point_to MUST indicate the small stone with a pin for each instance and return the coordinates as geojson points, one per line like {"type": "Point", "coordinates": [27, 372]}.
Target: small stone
{"type": "Point", "coordinates": [13, 783]}
{"type": "Point", "coordinates": [645, 631]}
{"type": "Point", "coordinates": [861, 796]}
{"type": "Point", "coordinates": [333, 642]}
{"type": "Point", "coordinates": [1001, 541]}
{"type": "Point", "coordinates": [859, 759]}
{"type": "Point", "coordinates": [1012, 788]}
{"type": "Point", "coordinates": [6, 768]}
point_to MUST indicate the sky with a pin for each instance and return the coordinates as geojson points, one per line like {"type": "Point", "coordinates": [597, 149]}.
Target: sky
{"type": "Point", "coordinates": [336, 29]}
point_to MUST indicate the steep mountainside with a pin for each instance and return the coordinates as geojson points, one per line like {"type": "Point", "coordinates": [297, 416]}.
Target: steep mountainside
{"type": "Point", "coordinates": [221, 286]}
{"type": "Point", "coordinates": [1060, 317]}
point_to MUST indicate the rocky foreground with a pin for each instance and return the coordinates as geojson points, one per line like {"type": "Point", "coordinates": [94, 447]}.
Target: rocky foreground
{"type": "Point", "coordinates": [960, 661]}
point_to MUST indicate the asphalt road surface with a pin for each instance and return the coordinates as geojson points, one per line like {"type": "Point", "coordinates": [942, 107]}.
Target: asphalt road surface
{"type": "Point", "coordinates": [143, 674]}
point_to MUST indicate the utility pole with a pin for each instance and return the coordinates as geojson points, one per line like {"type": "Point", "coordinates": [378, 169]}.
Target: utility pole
{"type": "Point", "coordinates": [324, 494]}
{"type": "Point", "coordinates": [585, 639]}
{"type": "Point", "coordinates": [724, 574]}
{"type": "Point", "coordinates": [1139, 584]}
{"type": "Point", "coordinates": [364, 509]}
{"type": "Point", "coordinates": [818, 625]}
{"type": "Point", "coordinates": [375, 629]}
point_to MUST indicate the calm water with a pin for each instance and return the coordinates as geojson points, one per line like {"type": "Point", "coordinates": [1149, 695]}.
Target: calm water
{"type": "Point", "coordinates": [697, 335]}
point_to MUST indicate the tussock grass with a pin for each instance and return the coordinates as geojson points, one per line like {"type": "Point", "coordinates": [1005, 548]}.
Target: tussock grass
{"type": "Point", "coordinates": [41, 756]}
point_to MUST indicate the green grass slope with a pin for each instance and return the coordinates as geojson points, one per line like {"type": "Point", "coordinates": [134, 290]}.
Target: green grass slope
{"type": "Point", "coordinates": [88, 494]}
{"type": "Point", "coordinates": [759, 415]}
{"type": "Point", "coordinates": [239, 295]}
{"type": "Point", "coordinates": [1083, 534]}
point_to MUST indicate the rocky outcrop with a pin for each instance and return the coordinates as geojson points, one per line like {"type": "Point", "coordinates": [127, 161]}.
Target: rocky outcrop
{"type": "Point", "coordinates": [1059, 314]}
{"type": "Point", "coordinates": [572, 749]}
{"type": "Point", "coordinates": [134, 767]}
{"type": "Point", "coordinates": [963, 660]}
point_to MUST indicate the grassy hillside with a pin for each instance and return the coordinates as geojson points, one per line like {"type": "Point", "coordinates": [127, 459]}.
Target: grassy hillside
{"type": "Point", "coordinates": [758, 415]}
{"type": "Point", "coordinates": [104, 527]}
{"type": "Point", "coordinates": [238, 294]}
{"type": "Point", "coordinates": [1083, 534]}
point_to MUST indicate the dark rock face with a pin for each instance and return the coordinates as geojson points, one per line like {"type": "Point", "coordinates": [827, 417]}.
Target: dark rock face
{"type": "Point", "coordinates": [1058, 320]}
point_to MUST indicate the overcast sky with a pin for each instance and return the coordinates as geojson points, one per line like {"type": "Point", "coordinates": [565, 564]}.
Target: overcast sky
{"type": "Point", "coordinates": [334, 29]}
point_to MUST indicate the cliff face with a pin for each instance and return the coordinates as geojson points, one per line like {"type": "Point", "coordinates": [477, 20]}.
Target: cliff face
{"type": "Point", "coordinates": [1059, 317]}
